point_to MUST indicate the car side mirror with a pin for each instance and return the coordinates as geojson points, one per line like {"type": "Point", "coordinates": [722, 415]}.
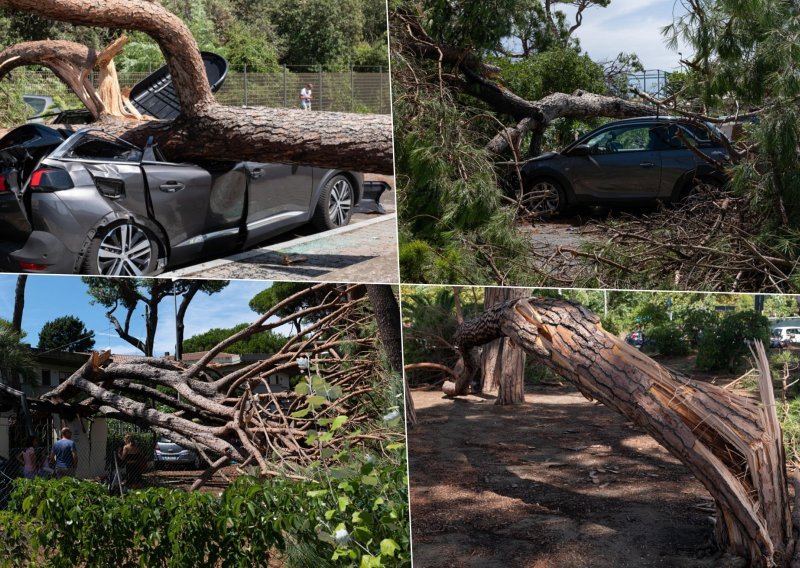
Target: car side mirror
{"type": "Point", "coordinates": [581, 150]}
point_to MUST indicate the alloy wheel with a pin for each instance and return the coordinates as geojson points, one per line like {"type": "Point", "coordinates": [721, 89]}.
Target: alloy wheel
{"type": "Point", "coordinates": [340, 202]}
{"type": "Point", "coordinates": [125, 250]}
{"type": "Point", "coordinates": [543, 197]}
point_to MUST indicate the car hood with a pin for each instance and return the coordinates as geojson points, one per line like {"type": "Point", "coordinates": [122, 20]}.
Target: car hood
{"type": "Point", "coordinates": [545, 156]}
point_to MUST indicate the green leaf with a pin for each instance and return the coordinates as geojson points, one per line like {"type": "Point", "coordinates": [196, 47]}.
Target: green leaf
{"type": "Point", "coordinates": [369, 480]}
{"type": "Point", "coordinates": [338, 422]}
{"type": "Point", "coordinates": [302, 413]}
{"type": "Point", "coordinates": [302, 389]}
{"type": "Point", "coordinates": [389, 547]}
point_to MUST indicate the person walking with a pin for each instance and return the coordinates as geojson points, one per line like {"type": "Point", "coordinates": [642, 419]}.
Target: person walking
{"type": "Point", "coordinates": [27, 457]}
{"type": "Point", "coordinates": [65, 455]}
{"type": "Point", "coordinates": [306, 96]}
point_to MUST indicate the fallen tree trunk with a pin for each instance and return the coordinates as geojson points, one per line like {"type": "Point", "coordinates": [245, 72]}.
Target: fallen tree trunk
{"type": "Point", "coordinates": [207, 129]}
{"type": "Point", "coordinates": [727, 440]}
{"type": "Point", "coordinates": [240, 415]}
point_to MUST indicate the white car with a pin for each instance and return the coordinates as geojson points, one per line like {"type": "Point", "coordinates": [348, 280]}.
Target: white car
{"type": "Point", "coordinates": [790, 334]}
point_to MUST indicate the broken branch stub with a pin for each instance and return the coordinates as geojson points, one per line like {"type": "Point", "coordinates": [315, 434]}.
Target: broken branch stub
{"type": "Point", "coordinates": [727, 440]}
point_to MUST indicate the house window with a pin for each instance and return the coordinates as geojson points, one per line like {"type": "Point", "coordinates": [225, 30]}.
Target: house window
{"type": "Point", "coordinates": [46, 378]}
{"type": "Point", "coordinates": [63, 376]}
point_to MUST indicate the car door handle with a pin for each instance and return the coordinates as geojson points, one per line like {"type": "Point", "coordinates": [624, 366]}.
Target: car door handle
{"type": "Point", "coordinates": [647, 165]}
{"type": "Point", "coordinates": [256, 173]}
{"type": "Point", "coordinates": [172, 186]}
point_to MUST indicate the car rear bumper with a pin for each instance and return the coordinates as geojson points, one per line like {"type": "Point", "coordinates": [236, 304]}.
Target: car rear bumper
{"type": "Point", "coordinates": [42, 252]}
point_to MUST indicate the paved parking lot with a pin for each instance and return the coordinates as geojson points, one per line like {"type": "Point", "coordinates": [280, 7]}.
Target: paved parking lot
{"type": "Point", "coordinates": [363, 251]}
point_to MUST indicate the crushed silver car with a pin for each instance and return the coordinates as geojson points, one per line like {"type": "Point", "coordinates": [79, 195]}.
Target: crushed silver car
{"type": "Point", "coordinates": [88, 202]}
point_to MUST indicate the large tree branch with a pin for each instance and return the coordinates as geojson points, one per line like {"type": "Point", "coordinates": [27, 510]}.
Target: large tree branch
{"type": "Point", "coordinates": [206, 129]}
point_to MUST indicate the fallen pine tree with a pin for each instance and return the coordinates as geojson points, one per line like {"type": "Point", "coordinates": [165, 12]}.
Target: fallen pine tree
{"type": "Point", "coordinates": [205, 129]}
{"type": "Point", "coordinates": [731, 442]}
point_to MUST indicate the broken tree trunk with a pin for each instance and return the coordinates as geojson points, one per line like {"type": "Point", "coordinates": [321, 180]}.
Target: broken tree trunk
{"type": "Point", "coordinates": [502, 362]}
{"type": "Point", "coordinates": [207, 129]}
{"type": "Point", "coordinates": [727, 440]}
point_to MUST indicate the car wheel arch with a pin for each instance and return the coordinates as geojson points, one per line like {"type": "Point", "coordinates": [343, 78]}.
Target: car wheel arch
{"type": "Point", "coordinates": [114, 219]}
{"type": "Point", "coordinates": [543, 174]}
{"type": "Point", "coordinates": [359, 188]}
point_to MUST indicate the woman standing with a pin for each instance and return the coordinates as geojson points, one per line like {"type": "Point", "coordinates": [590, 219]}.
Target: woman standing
{"type": "Point", "coordinates": [27, 458]}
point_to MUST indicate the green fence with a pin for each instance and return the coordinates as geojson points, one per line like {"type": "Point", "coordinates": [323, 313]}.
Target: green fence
{"type": "Point", "coordinates": [359, 89]}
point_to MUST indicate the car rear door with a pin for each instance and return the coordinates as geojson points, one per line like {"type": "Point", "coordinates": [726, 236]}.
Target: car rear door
{"type": "Point", "coordinates": [623, 165]}
{"type": "Point", "coordinates": [277, 193]}
{"type": "Point", "coordinates": [179, 195]}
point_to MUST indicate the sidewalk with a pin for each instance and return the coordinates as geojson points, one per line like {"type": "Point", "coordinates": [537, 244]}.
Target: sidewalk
{"type": "Point", "coordinates": [365, 251]}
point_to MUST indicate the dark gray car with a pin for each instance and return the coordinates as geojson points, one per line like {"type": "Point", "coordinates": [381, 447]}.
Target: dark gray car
{"type": "Point", "coordinates": [87, 202]}
{"type": "Point", "coordinates": [627, 162]}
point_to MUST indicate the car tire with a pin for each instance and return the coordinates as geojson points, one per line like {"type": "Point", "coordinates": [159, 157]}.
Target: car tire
{"type": "Point", "coordinates": [545, 196]}
{"type": "Point", "coordinates": [335, 205]}
{"type": "Point", "coordinates": [124, 249]}
{"type": "Point", "coordinates": [693, 187]}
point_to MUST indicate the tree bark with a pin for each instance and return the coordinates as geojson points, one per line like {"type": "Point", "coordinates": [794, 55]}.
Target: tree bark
{"type": "Point", "coordinates": [212, 131]}
{"type": "Point", "coordinates": [19, 303]}
{"type": "Point", "coordinates": [724, 438]}
{"type": "Point", "coordinates": [387, 314]}
{"type": "Point", "coordinates": [502, 362]}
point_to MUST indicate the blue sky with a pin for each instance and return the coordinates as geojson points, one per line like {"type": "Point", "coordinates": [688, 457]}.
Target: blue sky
{"type": "Point", "coordinates": [633, 26]}
{"type": "Point", "coordinates": [49, 297]}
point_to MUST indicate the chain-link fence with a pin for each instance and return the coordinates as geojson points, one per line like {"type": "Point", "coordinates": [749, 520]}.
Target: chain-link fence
{"type": "Point", "coordinates": [654, 82]}
{"type": "Point", "coordinates": [358, 89]}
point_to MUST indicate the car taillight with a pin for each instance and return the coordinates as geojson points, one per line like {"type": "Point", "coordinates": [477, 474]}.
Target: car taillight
{"type": "Point", "coordinates": [3, 184]}
{"type": "Point", "coordinates": [32, 266]}
{"type": "Point", "coordinates": [50, 179]}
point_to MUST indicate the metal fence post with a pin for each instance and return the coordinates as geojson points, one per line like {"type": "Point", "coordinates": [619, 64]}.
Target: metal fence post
{"type": "Point", "coordinates": [285, 93]}
{"type": "Point", "coordinates": [245, 84]}
{"type": "Point", "coordinates": [320, 88]}
{"type": "Point", "coordinates": [380, 82]}
{"type": "Point", "coordinates": [352, 92]}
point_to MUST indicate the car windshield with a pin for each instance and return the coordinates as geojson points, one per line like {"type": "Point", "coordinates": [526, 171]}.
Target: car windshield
{"type": "Point", "coordinates": [98, 145]}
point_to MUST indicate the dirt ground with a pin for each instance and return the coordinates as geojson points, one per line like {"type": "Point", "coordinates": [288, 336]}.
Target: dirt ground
{"type": "Point", "coordinates": [557, 482]}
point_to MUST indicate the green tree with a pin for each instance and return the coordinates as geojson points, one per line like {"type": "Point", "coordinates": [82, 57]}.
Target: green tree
{"type": "Point", "coordinates": [16, 361]}
{"type": "Point", "coordinates": [724, 345]}
{"type": "Point", "coordinates": [67, 333]}
{"type": "Point", "coordinates": [319, 32]}
{"type": "Point", "coordinates": [130, 293]}
{"type": "Point", "coordinates": [266, 342]}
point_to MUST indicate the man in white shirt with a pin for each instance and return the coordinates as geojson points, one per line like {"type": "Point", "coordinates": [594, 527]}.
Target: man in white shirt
{"type": "Point", "coordinates": [305, 97]}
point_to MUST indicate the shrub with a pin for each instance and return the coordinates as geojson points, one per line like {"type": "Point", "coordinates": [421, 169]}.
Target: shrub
{"type": "Point", "coordinates": [724, 345]}
{"type": "Point", "coordinates": [356, 515]}
{"type": "Point", "coordinates": [669, 340]}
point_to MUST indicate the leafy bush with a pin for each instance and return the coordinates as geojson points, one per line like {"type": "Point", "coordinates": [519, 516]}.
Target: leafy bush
{"type": "Point", "coordinates": [356, 515]}
{"type": "Point", "coordinates": [723, 346]}
{"type": "Point", "coordinates": [669, 340]}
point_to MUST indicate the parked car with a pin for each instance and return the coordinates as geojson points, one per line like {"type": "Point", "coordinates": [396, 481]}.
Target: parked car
{"type": "Point", "coordinates": [169, 454]}
{"type": "Point", "coordinates": [787, 334]}
{"type": "Point", "coordinates": [88, 202]}
{"type": "Point", "coordinates": [635, 338]}
{"type": "Point", "coordinates": [627, 162]}
{"type": "Point", "coordinates": [777, 341]}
